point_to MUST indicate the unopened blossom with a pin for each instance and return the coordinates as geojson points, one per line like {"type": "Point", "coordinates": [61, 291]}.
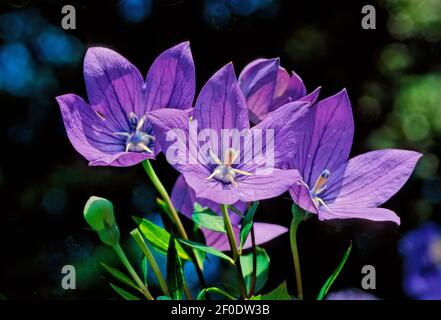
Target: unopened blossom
{"type": "Point", "coordinates": [183, 197]}
{"type": "Point", "coordinates": [266, 86]}
{"type": "Point", "coordinates": [336, 187]}
{"type": "Point", "coordinates": [111, 128]}
{"type": "Point", "coordinates": [220, 174]}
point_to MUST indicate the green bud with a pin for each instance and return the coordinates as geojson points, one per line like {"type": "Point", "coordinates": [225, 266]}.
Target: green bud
{"type": "Point", "coordinates": [99, 214]}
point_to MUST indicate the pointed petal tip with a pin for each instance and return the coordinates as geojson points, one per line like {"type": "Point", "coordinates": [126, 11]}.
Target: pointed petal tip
{"type": "Point", "coordinates": [226, 71]}
{"type": "Point", "coordinates": [184, 46]}
{"type": "Point", "coordinates": [97, 51]}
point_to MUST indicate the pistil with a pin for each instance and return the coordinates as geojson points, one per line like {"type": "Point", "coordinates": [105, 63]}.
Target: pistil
{"type": "Point", "coordinates": [224, 171]}
{"type": "Point", "coordinates": [136, 140]}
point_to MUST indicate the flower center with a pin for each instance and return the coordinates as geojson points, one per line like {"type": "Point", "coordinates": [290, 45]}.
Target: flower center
{"type": "Point", "coordinates": [136, 140]}
{"type": "Point", "coordinates": [319, 187]}
{"type": "Point", "coordinates": [224, 172]}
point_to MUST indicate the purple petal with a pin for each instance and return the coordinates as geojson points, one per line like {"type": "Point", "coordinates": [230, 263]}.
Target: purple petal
{"type": "Point", "coordinates": [312, 97]}
{"type": "Point", "coordinates": [327, 138]}
{"type": "Point", "coordinates": [114, 86]}
{"type": "Point", "coordinates": [221, 105]}
{"type": "Point", "coordinates": [374, 214]}
{"type": "Point", "coordinates": [258, 83]}
{"type": "Point", "coordinates": [264, 232]}
{"type": "Point", "coordinates": [300, 194]}
{"type": "Point", "coordinates": [213, 190]}
{"type": "Point", "coordinates": [288, 88]}
{"type": "Point", "coordinates": [171, 80]}
{"type": "Point", "coordinates": [122, 159]}
{"type": "Point", "coordinates": [370, 179]}
{"type": "Point", "coordinates": [171, 127]}
{"type": "Point", "coordinates": [267, 185]}
{"type": "Point", "coordinates": [286, 125]}
{"type": "Point", "coordinates": [87, 132]}
{"type": "Point", "coordinates": [183, 198]}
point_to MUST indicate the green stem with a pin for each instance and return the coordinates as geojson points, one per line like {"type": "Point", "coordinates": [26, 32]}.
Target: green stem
{"type": "Point", "coordinates": [148, 254]}
{"type": "Point", "coordinates": [234, 250]}
{"type": "Point", "coordinates": [158, 185]}
{"type": "Point", "coordinates": [254, 274]}
{"type": "Point", "coordinates": [143, 288]}
{"type": "Point", "coordinates": [295, 253]}
{"type": "Point", "coordinates": [174, 215]}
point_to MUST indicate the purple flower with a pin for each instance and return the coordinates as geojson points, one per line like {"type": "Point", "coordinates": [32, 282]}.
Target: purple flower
{"type": "Point", "coordinates": [337, 188]}
{"type": "Point", "coordinates": [112, 128]}
{"type": "Point", "coordinates": [266, 86]}
{"type": "Point", "coordinates": [183, 197]}
{"type": "Point", "coordinates": [219, 170]}
{"type": "Point", "coordinates": [421, 252]}
{"type": "Point", "coordinates": [350, 294]}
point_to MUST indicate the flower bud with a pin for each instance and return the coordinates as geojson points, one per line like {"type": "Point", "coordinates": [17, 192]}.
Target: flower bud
{"type": "Point", "coordinates": [98, 213]}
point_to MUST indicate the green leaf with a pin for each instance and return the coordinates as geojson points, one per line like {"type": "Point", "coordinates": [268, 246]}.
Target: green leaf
{"type": "Point", "coordinates": [123, 293]}
{"type": "Point", "coordinates": [207, 249]}
{"type": "Point", "coordinates": [262, 268]}
{"type": "Point", "coordinates": [208, 219]}
{"type": "Point", "coordinates": [163, 298]}
{"type": "Point", "coordinates": [247, 223]}
{"type": "Point", "coordinates": [158, 237]}
{"type": "Point", "coordinates": [175, 275]}
{"type": "Point", "coordinates": [120, 276]}
{"type": "Point", "coordinates": [280, 293]}
{"type": "Point", "coordinates": [198, 236]}
{"type": "Point", "coordinates": [203, 293]}
{"type": "Point", "coordinates": [333, 276]}
{"type": "Point", "coordinates": [145, 269]}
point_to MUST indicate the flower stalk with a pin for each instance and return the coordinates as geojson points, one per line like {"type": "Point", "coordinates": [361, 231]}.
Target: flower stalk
{"type": "Point", "coordinates": [234, 250]}
{"type": "Point", "coordinates": [148, 254]}
{"type": "Point", "coordinates": [143, 288]}
{"type": "Point", "coordinates": [254, 274]}
{"type": "Point", "coordinates": [298, 216]}
{"type": "Point", "coordinates": [174, 214]}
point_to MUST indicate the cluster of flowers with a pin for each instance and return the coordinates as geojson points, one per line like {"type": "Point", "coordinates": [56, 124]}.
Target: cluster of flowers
{"type": "Point", "coordinates": [127, 120]}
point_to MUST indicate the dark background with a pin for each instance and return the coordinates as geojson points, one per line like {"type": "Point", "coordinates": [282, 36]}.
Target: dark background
{"type": "Point", "coordinates": [44, 182]}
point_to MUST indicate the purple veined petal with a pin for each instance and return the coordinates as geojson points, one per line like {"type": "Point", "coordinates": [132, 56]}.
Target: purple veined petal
{"type": "Point", "coordinates": [370, 179]}
{"type": "Point", "coordinates": [171, 127]}
{"type": "Point", "coordinates": [114, 86]}
{"type": "Point", "coordinates": [212, 189]}
{"type": "Point", "coordinates": [86, 130]}
{"type": "Point", "coordinates": [171, 79]}
{"type": "Point", "coordinates": [327, 138]}
{"type": "Point", "coordinates": [374, 214]}
{"type": "Point", "coordinates": [221, 105]}
{"type": "Point", "coordinates": [312, 97]}
{"type": "Point", "coordinates": [183, 198]}
{"type": "Point", "coordinates": [122, 159]}
{"type": "Point", "coordinates": [264, 232]}
{"type": "Point", "coordinates": [282, 131]}
{"type": "Point", "coordinates": [258, 82]}
{"type": "Point", "coordinates": [288, 88]}
{"type": "Point", "coordinates": [300, 195]}
{"type": "Point", "coordinates": [265, 185]}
